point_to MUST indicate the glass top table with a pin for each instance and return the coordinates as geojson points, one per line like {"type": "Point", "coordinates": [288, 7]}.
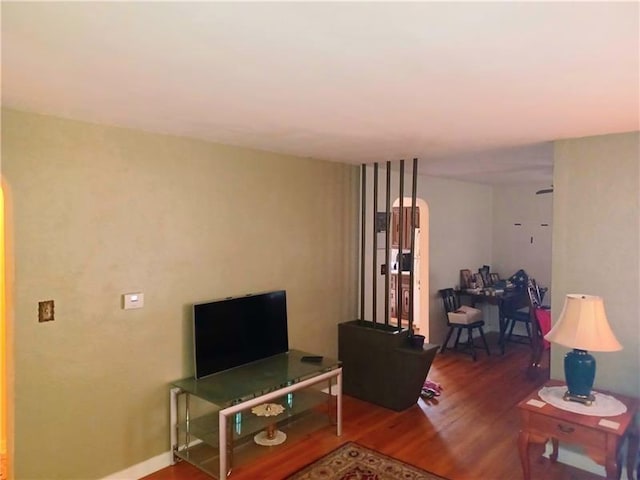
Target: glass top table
{"type": "Point", "coordinates": [242, 383]}
{"type": "Point", "coordinates": [239, 389]}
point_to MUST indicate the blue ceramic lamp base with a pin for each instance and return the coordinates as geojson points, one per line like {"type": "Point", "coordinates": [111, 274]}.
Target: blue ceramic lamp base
{"type": "Point", "coordinates": [579, 373]}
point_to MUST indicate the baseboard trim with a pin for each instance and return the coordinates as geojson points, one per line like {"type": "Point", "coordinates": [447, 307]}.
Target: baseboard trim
{"type": "Point", "coordinates": [142, 469]}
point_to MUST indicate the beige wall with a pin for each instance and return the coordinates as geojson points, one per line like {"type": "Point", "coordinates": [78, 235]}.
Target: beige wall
{"type": "Point", "coordinates": [596, 245]}
{"type": "Point", "coordinates": [460, 219]}
{"type": "Point", "coordinates": [512, 245]}
{"type": "Point", "coordinates": [101, 211]}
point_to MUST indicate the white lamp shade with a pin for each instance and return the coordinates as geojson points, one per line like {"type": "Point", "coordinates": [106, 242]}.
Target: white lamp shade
{"type": "Point", "coordinates": [583, 325]}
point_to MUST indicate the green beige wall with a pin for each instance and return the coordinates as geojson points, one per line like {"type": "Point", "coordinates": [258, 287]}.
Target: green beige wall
{"type": "Point", "coordinates": [596, 245]}
{"type": "Point", "coordinates": [101, 211]}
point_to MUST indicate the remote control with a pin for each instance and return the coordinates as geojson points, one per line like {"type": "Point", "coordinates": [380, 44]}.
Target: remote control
{"type": "Point", "coordinates": [312, 358]}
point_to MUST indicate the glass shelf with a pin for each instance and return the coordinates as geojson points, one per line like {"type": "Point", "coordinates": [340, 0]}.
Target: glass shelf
{"type": "Point", "coordinates": [226, 398]}
{"type": "Point", "coordinates": [245, 423]}
{"type": "Point", "coordinates": [207, 457]}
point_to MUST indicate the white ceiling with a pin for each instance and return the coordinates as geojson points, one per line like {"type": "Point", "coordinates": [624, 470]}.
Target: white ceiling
{"type": "Point", "coordinates": [475, 90]}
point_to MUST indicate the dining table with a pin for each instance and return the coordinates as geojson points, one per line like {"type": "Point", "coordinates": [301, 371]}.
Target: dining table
{"type": "Point", "coordinates": [508, 300]}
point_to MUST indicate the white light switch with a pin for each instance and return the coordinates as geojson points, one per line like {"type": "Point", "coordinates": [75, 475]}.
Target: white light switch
{"type": "Point", "coordinates": [132, 300]}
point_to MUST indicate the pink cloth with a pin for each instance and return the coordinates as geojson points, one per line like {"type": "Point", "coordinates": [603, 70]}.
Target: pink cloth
{"type": "Point", "coordinates": [544, 319]}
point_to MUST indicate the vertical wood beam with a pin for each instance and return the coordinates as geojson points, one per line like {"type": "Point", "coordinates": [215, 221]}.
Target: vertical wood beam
{"type": "Point", "coordinates": [400, 244]}
{"type": "Point", "coordinates": [413, 244]}
{"type": "Point", "coordinates": [374, 253]}
{"type": "Point", "coordinates": [387, 249]}
{"type": "Point", "coordinates": [363, 177]}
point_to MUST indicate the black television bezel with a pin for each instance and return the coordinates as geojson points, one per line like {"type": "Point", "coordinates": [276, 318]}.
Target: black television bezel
{"type": "Point", "coordinates": [204, 368]}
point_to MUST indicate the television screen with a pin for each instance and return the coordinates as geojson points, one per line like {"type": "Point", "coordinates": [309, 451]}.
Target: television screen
{"type": "Point", "coordinates": [235, 331]}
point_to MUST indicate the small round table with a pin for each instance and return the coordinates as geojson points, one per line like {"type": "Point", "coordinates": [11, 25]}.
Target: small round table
{"type": "Point", "coordinates": [270, 436]}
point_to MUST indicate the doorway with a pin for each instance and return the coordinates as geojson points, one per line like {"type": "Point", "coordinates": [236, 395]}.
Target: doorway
{"type": "Point", "coordinates": [420, 267]}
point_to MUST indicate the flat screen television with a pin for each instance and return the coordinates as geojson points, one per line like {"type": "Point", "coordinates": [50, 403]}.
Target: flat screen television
{"type": "Point", "coordinates": [235, 331]}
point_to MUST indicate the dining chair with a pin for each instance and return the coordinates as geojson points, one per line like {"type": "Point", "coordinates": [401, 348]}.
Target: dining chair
{"type": "Point", "coordinates": [539, 292]}
{"type": "Point", "coordinates": [522, 316]}
{"type": "Point", "coordinates": [462, 318]}
{"type": "Point", "coordinates": [540, 324]}
{"type": "Point", "coordinates": [514, 317]}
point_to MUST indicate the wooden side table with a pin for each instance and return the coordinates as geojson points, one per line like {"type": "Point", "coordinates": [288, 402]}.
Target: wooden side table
{"type": "Point", "coordinates": [601, 442]}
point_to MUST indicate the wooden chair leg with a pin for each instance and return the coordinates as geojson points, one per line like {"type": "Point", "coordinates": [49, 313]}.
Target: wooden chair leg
{"type": "Point", "coordinates": [470, 342]}
{"type": "Point", "coordinates": [511, 325]}
{"type": "Point", "coordinates": [537, 349]}
{"type": "Point", "coordinates": [484, 340]}
{"type": "Point", "coordinates": [446, 341]}
{"type": "Point", "coordinates": [455, 345]}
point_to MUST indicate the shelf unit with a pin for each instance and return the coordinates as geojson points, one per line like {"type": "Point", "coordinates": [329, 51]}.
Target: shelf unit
{"type": "Point", "coordinates": [215, 439]}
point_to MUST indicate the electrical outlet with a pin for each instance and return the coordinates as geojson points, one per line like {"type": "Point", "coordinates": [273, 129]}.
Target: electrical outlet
{"type": "Point", "coordinates": [45, 311]}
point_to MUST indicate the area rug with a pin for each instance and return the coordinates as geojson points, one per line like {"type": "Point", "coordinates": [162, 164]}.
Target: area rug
{"type": "Point", "coordinates": [355, 462]}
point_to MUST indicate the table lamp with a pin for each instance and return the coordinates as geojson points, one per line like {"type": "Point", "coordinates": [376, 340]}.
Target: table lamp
{"type": "Point", "coordinates": [583, 326]}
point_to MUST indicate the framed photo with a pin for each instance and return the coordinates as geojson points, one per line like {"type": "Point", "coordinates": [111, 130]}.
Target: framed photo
{"type": "Point", "coordinates": [477, 278]}
{"type": "Point", "coordinates": [494, 277]}
{"type": "Point", "coordinates": [465, 278]}
{"type": "Point", "coordinates": [484, 273]}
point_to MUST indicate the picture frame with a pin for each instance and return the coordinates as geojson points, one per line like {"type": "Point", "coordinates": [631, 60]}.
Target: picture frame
{"type": "Point", "coordinates": [484, 274]}
{"type": "Point", "coordinates": [494, 277]}
{"type": "Point", "coordinates": [465, 278]}
{"type": "Point", "coordinates": [479, 280]}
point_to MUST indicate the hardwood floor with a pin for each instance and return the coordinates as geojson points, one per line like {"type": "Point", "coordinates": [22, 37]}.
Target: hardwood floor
{"type": "Point", "coordinates": [469, 432]}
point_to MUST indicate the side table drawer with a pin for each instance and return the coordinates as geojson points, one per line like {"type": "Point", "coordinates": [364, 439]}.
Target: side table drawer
{"type": "Point", "coordinates": [566, 431]}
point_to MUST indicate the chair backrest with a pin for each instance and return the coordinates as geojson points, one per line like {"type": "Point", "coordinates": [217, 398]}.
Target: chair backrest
{"type": "Point", "coordinates": [534, 293]}
{"type": "Point", "coordinates": [449, 299]}
{"type": "Point", "coordinates": [534, 304]}
{"type": "Point", "coordinates": [536, 287]}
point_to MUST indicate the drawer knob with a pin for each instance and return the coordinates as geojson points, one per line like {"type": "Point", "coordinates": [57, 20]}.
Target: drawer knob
{"type": "Point", "coordinates": [565, 429]}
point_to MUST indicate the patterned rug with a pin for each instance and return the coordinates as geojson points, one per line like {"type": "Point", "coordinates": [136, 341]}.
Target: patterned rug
{"type": "Point", "coordinates": [355, 462]}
